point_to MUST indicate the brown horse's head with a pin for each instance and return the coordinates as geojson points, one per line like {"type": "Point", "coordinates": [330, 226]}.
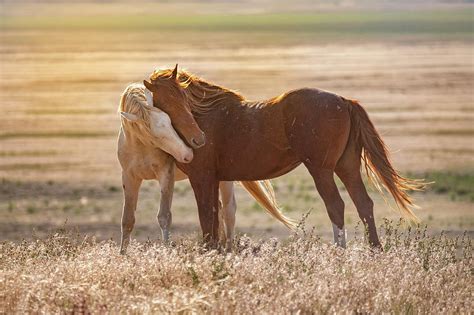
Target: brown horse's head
{"type": "Point", "coordinates": [168, 95]}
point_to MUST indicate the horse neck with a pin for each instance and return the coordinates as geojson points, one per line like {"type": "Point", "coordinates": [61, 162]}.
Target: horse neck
{"type": "Point", "coordinates": [131, 141]}
{"type": "Point", "coordinates": [141, 160]}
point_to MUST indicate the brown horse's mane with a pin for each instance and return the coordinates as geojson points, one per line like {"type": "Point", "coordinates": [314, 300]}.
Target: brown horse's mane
{"type": "Point", "coordinates": [202, 96]}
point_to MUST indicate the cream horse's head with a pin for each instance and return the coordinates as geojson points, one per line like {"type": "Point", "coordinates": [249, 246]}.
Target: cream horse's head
{"type": "Point", "coordinates": [161, 133]}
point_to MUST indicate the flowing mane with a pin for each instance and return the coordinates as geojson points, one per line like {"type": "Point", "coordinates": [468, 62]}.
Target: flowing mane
{"type": "Point", "coordinates": [202, 96]}
{"type": "Point", "coordinates": [133, 101]}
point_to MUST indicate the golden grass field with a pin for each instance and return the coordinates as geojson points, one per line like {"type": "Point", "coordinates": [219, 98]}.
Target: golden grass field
{"type": "Point", "coordinates": [62, 70]}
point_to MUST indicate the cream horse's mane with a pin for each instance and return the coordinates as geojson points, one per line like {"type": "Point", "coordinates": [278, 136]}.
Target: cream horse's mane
{"type": "Point", "coordinates": [134, 101]}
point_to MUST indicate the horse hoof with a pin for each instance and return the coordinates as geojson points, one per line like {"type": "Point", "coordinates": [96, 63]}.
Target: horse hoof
{"type": "Point", "coordinates": [376, 248]}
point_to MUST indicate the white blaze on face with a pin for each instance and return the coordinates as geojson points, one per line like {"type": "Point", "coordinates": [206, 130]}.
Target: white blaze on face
{"type": "Point", "coordinates": [170, 142]}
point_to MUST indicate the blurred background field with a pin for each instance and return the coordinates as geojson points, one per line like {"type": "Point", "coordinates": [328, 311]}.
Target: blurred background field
{"type": "Point", "coordinates": [64, 65]}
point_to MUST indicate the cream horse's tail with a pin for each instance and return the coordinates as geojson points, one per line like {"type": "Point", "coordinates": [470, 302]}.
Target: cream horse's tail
{"type": "Point", "coordinates": [263, 192]}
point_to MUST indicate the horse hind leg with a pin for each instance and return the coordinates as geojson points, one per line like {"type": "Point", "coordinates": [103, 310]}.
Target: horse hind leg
{"type": "Point", "coordinates": [339, 235]}
{"type": "Point", "coordinates": [348, 170]}
{"type": "Point", "coordinates": [319, 139]}
{"type": "Point", "coordinates": [228, 212]}
{"type": "Point", "coordinates": [222, 235]}
{"type": "Point", "coordinates": [327, 188]}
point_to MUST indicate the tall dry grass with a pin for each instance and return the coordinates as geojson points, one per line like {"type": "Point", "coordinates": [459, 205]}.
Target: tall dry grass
{"type": "Point", "coordinates": [66, 273]}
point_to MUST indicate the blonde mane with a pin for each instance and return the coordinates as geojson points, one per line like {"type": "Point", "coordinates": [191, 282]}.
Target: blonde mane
{"type": "Point", "coordinates": [201, 96]}
{"type": "Point", "coordinates": [133, 101]}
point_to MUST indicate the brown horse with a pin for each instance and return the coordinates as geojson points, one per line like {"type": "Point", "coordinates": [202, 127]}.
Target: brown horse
{"type": "Point", "coordinates": [250, 141]}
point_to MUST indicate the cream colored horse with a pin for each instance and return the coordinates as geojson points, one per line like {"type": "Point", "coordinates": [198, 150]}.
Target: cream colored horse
{"type": "Point", "coordinates": [147, 148]}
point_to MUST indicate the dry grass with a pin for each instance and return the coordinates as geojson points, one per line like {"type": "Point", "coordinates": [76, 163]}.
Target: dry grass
{"type": "Point", "coordinates": [65, 273]}
{"type": "Point", "coordinates": [59, 87]}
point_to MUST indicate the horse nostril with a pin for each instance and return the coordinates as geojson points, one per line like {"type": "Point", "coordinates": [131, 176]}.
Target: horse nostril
{"type": "Point", "coordinates": [188, 158]}
{"type": "Point", "coordinates": [197, 144]}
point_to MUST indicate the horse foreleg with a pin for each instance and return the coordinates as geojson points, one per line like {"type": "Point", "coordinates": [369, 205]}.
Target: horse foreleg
{"type": "Point", "coordinates": [166, 179]}
{"type": "Point", "coordinates": [228, 211]}
{"type": "Point", "coordinates": [206, 192]}
{"type": "Point", "coordinates": [131, 186]}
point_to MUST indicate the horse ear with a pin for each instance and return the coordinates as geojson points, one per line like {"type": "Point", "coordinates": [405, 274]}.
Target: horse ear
{"type": "Point", "coordinates": [149, 85]}
{"type": "Point", "coordinates": [129, 117]}
{"type": "Point", "coordinates": [174, 75]}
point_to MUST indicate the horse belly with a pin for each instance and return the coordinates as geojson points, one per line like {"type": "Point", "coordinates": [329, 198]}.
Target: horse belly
{"type": "Point", "coordinates": [257, 164]}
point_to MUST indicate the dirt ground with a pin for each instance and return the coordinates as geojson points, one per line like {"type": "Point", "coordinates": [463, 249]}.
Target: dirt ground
{"type": "Point", "coordinates": [59, 92]}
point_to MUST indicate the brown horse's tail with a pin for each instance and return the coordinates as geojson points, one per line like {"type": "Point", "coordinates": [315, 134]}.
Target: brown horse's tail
{"type": "Point", "coordinates": [263, 192]}
{"type": "Point", "coordinates": [377, 162]}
